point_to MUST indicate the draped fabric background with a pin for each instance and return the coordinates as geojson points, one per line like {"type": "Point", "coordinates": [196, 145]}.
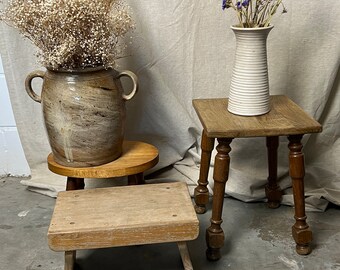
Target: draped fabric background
{"type": "Point", "coordinates": [184, 49]}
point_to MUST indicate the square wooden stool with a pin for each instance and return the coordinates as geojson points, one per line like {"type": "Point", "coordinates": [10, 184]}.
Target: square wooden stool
{"type": "Point", "coordinates": [123, 216]}
{"type": "Point", "coordinates": [285, 119]}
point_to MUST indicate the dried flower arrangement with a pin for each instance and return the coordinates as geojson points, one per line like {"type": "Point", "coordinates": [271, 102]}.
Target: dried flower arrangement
{"type": "Point", "coordinates": [254, 13]}
{"type": "Point", "coordinates": [71, 34]}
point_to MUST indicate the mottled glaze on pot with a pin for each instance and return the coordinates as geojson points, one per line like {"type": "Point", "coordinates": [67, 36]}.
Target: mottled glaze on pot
{"type": "Point", "coordinates": [84, 113]}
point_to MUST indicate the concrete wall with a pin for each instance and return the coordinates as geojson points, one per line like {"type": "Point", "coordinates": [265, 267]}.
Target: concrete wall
{"type": "Point", "coordinates": [12, 158]}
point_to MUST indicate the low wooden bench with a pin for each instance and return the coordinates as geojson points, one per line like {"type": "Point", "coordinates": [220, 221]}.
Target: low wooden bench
{"type": "Point", "coordinates": [123, 216]}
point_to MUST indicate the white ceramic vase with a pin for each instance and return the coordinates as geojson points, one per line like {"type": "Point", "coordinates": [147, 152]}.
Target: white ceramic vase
{"type": "Point", "coordinates": [249, 88]}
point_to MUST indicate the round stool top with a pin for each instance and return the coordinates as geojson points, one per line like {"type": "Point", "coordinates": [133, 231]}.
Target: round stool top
{"type": "Point", "coordinates": [137, 157]}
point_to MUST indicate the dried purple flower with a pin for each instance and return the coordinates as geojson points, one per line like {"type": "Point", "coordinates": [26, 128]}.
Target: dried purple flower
{"type": "Point", "coordinates": [254, 13]}
{"type": "Point", "coordinates": [245, 3]}
{"type": "Point", "coordinates": [238, 4]}
{"type": "Point", "coordinates": [224, 4]}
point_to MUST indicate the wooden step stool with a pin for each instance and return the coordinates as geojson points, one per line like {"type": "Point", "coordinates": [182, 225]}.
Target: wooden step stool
{"type": "Point", "coordinates": [123, 216]}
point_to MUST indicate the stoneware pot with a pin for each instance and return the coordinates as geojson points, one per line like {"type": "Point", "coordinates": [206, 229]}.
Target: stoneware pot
{"type": "Point", "coordinates": [84, 113]}
{"type": "Point", "coordinates": [249, 88]}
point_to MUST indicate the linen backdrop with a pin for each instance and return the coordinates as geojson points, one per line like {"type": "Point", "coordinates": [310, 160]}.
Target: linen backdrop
{"type": "Point", "coordinates": [184, 49]}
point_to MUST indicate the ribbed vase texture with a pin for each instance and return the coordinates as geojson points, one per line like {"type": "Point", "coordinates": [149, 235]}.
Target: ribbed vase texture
{"type": "Point", "coordinates": [249, 88]}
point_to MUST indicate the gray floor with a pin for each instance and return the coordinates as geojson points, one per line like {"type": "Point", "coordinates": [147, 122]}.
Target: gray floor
{"type": "Point", "coordinates": [256, 238]}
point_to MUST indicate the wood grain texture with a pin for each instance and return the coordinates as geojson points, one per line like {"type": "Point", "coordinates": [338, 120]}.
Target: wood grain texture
{"type": "Point", "coordinates": [285, 118]}
{"type": "Point", "coordinates": [201, 194]}
{"type": "Point", "coordinates": [215, 234]}
{"type": "Point", "coordinates": [70, 257]}
{"type": "Point", "coordinates": [122, 216]}
{"type": "Point", "coordinates": [185, 256]}
{"type": "Point", "coordinates": [302, 234]}
{"type": "Point", "coordinates": [272, 189]}
{"type": "Point", "coordinates": [137, 157]}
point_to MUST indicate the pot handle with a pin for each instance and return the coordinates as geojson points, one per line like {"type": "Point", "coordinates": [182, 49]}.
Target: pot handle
{"type": "Point", "coordinates": [134, 79]}
{"type": "Point", "coordinates": [28, 84]}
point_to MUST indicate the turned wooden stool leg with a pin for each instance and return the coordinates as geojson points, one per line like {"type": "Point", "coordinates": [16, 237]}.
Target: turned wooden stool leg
{"type": "Point", "coordinates": [273, 191]}
{"type": "Point", "coordinates": [136, 179]}
{"type": "Point", "coordinates": [69, 260]}
{"type": "Point", "coordinates": [301, 231]}
{"type": "Point", "coordinates": [75, 183]}
{"type": "Point", "coordinates": [215, 234]}
{"type": "Point", "coordinates": [201, 194]}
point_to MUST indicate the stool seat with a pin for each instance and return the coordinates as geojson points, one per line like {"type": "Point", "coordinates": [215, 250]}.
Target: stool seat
{"type": "Point", "coordinates": [123, 216]}
{"type": "Point", "coordinates": [137, 157]}
{"type": "Point", "coordinates": [284, 118]}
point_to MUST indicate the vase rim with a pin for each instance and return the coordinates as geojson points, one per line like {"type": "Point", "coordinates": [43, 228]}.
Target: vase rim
{"type": "Point", "coordinates": [78, 70]}
{"type": "Point", "coordinates": [236, 27]}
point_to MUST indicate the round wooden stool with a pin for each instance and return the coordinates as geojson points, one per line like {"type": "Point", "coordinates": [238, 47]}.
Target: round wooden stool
{"type": "Point", "coordinates": [136, 158]}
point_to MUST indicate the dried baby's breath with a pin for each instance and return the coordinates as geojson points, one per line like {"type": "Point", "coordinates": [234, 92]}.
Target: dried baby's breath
{"type": "Point", "coordinates": [71, 34]}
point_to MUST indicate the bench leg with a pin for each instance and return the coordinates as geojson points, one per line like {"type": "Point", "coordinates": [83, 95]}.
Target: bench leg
{"type": "Point", "coordinates": [301, 231]}
{"type": "Point", "coordinates": [273, 191]}
{"type": "Point", "coordinates": [70, 257]}
{"type": "Point", "coordinates": [201, 194]}
{"type": "Point", "coordinates": [183, 250]}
